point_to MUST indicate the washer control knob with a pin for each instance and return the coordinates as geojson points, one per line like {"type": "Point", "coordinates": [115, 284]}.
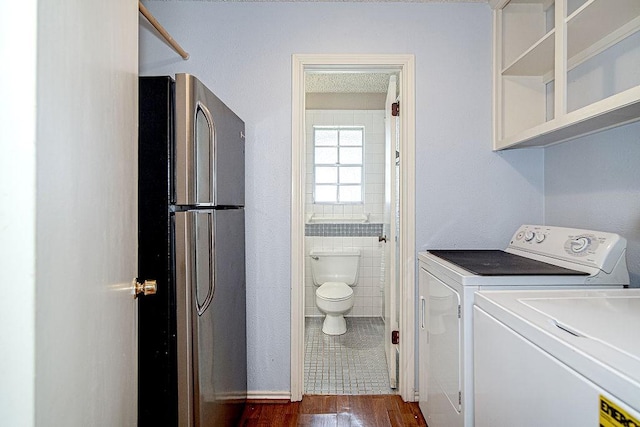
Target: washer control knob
{"type": "Point", "coordinates": [540, 237]}
{"type": "Point", "coordinates": [529, 235]}
{"type": "Point", "coordinates": [579, 245]}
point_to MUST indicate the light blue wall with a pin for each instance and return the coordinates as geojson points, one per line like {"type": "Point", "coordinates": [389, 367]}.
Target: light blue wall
{"type": "Point", "coordinates": [467, 196]}
{"type": "Point", "coordinates": [594, 183]}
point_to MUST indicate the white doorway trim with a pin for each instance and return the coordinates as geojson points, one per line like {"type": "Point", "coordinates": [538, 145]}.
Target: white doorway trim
{"type": "Point", "coordinates": [406, 262]}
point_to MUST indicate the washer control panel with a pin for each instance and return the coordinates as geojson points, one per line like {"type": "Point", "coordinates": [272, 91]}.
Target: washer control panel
{"type": "Point", "coordinates": [532, 236]}
{"type": "Point", "coordinates": [582, 245]}
{"type": "Point", "coordinates": [587, 247]}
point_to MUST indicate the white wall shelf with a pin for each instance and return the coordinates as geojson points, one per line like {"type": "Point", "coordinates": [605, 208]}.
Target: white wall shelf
{"type": "Point", "coordinates": [536, 61]}
{"type": "Point", "coordinates": [611, 112]}
{"type": "Point", "coordinates": [596, 20]}
{"type": "Point", "coordinates": [531, 92]}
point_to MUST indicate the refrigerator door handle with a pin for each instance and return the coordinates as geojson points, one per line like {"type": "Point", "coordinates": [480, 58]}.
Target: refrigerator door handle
{"type": "Point", "coordinates": [203, 263]}
{"type": "Point", "coordinates": [195, 143]}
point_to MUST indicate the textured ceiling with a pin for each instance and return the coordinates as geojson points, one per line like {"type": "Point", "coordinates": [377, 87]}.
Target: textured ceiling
{"type": "Point", "coordinates": [338, 1]}
{"type": "Point", "coordinates": [346, 82]}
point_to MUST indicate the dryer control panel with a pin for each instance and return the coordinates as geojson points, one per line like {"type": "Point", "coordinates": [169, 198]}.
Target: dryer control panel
{"type": "Point", "coordinates": [595, 249]}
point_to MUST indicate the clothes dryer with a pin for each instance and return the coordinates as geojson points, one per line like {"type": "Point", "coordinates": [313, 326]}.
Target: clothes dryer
{"type": "Point", "coordinates": [537, 257]}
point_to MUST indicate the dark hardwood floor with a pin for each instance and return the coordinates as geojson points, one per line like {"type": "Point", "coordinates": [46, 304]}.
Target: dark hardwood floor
{"type": "Point", "coordinates": [338, 411]}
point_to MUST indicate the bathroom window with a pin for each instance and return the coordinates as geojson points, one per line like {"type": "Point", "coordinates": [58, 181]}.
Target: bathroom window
{"type": "Point", "coordinates": [337, 164]}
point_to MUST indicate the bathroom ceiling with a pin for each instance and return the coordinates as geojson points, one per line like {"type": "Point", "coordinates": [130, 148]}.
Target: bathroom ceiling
{"type": "Point", "coordinates": [341, 1]}
{"type": "Point", "coordinates": [346, 82]}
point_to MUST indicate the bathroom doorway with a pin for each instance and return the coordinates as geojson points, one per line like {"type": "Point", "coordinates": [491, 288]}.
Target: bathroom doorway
{"type": "Point", "coordinates": [371, 210]}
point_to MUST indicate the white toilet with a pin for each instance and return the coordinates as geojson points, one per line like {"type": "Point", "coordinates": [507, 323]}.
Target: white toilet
{"type": "Point", "coordinates": [334, 273]}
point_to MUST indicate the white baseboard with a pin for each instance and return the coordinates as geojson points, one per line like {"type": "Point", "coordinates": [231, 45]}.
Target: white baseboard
{"type": "Point", "coordinates": [268, 395]}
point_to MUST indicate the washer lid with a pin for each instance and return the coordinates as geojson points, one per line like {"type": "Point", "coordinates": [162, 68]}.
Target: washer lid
{"type": "Point", "coordinates": [605, 319]}
{"type": "Point", "coordinates": [335, 291]}
{"type": "Point", "coordinates": [593, 331]}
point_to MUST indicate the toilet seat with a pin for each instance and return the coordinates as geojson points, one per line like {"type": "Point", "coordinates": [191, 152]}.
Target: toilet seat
{"type": "Point", "coordinates": [334, 291]}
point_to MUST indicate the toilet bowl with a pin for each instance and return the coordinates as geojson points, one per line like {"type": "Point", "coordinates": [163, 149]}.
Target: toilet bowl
{"type": "Point", "coordinates": [334, 273]}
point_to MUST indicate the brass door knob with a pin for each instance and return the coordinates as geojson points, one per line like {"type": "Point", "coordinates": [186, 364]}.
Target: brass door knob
{"type": "Point", "coordinates": [148, 287]}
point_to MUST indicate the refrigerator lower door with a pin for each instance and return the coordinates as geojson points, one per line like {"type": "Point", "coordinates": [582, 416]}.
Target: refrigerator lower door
{"type": "Point", "coordinates": [211, 299]}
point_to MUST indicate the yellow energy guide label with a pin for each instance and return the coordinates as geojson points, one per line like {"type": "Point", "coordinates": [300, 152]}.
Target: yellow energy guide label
{"type": "Point", "coordinates": [612, 415]}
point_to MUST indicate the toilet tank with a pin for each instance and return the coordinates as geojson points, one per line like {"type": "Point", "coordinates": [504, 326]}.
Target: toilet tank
{"type": "Point", "coordinates": [335, 266]}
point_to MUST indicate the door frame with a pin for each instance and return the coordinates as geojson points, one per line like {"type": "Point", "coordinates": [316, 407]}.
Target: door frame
{"type": "Point", "coordinates": [406, 263]}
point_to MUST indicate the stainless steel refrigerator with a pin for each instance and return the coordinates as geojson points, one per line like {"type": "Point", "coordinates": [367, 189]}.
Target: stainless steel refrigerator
{"type": "Point", "coordinates": [192, 332]}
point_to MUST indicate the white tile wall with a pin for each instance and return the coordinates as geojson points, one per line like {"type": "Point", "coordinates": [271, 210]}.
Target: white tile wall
{"type": "Point", "coordinates": [368, 292]}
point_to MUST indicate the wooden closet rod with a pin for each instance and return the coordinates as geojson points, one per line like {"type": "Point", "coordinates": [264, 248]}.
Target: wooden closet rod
{"type": "Point", "coordinates": [153, 21]}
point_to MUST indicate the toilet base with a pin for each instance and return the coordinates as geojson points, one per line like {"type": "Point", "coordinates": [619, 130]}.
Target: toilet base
{"type": "Point", "coordinates": [334, 324]}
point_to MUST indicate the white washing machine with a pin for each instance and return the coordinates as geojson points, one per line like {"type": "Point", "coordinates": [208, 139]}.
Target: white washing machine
{"type": "Point", "coordinates": [557, 358]}
{"type": "Point", "coordinates": [537, 257]}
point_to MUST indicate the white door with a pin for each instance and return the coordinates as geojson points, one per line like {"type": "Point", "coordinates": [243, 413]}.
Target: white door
{"type": "Point", "coordinates": [391, 244]}
{"type": "Point", "coordinates": [86, 217]}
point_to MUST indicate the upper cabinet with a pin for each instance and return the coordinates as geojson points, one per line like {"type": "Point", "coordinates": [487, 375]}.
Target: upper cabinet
{"type": "Point", "coordinates": [563, 69]}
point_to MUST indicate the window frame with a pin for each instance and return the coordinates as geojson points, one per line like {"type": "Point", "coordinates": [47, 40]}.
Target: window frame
{"type": "Point", "coordinates": [339, 165]}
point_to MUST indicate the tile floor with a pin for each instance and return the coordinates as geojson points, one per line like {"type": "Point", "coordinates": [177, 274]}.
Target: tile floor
{"type": "Point", "coordinates": [349, 364]}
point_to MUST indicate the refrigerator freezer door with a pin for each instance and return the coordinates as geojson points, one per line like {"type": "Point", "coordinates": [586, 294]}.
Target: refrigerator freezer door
{"type": "Point", "coordinates": [212, 353]}
{"type": "Point", "coordinates": [209, 162]}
